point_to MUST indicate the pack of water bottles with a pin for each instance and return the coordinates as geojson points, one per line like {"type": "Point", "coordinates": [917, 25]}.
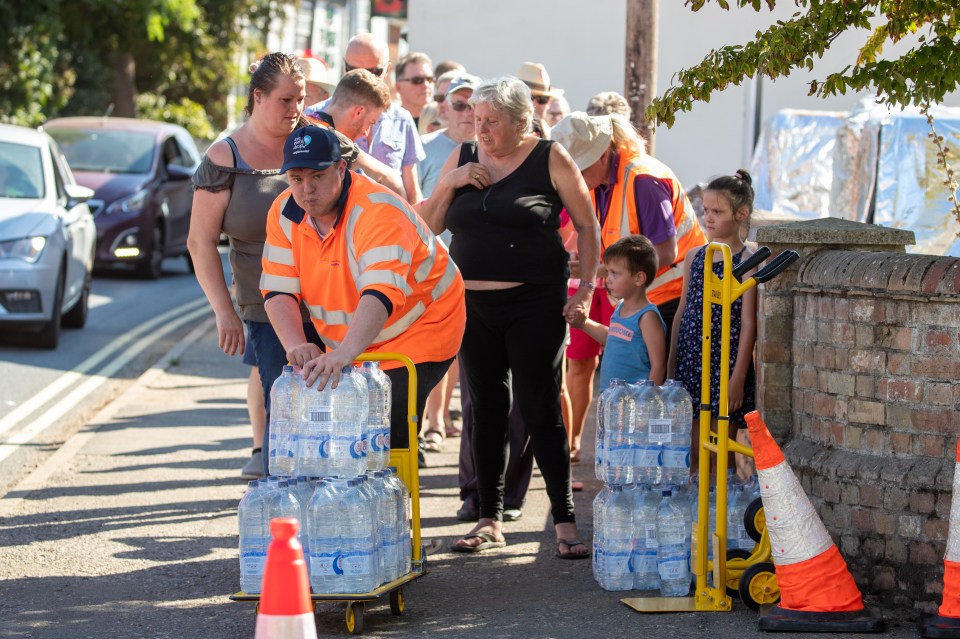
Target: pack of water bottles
{"type": "Point", "coordinates": [328, 452]}
{"type": "Point", "coordinates": [355, 532]}
{"type": "Point", "coordinates": [334, 432]}
{"type": "Point", "coordinates": [642, 516]}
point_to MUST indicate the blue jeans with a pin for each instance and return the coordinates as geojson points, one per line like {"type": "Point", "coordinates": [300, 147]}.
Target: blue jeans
{"type": "Point", "coordinates": [271, 358]}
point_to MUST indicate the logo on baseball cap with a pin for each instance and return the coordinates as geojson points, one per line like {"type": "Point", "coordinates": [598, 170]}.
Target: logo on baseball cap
{"type": "Point", "coordinates": [312, 147]}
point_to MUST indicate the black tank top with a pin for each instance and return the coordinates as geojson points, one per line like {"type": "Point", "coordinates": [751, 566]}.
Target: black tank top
{"type": "Point", "coordinates": [507, 232]}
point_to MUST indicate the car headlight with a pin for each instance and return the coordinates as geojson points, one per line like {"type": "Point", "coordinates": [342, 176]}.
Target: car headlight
{"type": "Point", "coordinates": [27, 248]}
{"type": "Point", "coordinates": [130, 203]}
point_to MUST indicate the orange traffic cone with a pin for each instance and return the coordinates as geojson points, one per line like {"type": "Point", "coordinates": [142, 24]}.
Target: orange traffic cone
{"type": "Point", "coordinates": [817, 592]}
{"type": "Point", "coordinates": [947, 622]}
{"type": "Point", "coordinates": [285, 611]}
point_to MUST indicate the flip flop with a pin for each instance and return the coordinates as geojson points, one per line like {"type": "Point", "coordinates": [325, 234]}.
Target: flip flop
{"type": "Point", "coordinates": [489, 541]}
{"type": "Point", "coordinates": [570, 543]}
{"type": "Point", "coordinates": [433, 441]}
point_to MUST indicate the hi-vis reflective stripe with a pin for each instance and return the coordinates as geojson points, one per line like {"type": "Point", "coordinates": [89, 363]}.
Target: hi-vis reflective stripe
{"type": "Point", "coordinates": [624, 218]}
{"type": "Point", "coordinates": [448, 277]}
{"type": "Point", "coordinates": [383, 254]}
{"type": "Point", "coordinates": [286, 225]}
{"type": "Point", "coordinates": [383, 277]}
{"type": "Point", "coordinates": [280, 284]}
{"type": "Point", "coordinates": [426, 236]}
{"type": "Point", "coordinates": [330, 318]}
{"type": "Point", "coordinates": [669, 275]}
{"type": "Point", "coordinates": [402, 324]}
{"type": "Point", "coordinates": [278, 254]}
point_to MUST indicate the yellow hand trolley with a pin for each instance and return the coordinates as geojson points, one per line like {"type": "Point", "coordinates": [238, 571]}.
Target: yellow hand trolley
{"type": "Point", "coordinates": [405, 460]}
{"type": "Point", "coordinates": [747, 574]}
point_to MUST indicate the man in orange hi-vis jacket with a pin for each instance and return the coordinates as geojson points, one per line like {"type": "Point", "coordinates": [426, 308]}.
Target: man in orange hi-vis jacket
{"type": "Point", "coordinates": [369, 270]}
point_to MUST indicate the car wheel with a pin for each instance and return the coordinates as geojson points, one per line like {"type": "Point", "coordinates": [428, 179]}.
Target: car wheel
{"type": "Point", "coordinates": [76, 317]}
{"type": "Point", "coordinates": [49, 335]}
{"type": "Point", "coordinates": [151, 267]}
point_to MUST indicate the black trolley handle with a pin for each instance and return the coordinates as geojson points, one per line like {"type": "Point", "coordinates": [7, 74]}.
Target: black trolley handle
{"type": "Point", "coordinates": [778, 264]}
{"type": "Point", "coordinates": [748, 264]}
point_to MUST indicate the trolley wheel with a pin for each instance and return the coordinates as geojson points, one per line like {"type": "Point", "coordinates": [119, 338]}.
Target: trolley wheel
{"type": "Point", "coordinates": [753, 519]}
{"type": "Point", "coordinates": [396, 602]}
{"type": "Point", "coordinates": [758, 585]}
{"type": "Point", "coordinates": [355, 617]}
{"type": "Point", "coordinates": [733, 576]}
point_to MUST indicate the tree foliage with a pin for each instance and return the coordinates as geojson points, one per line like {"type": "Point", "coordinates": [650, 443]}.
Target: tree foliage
{"type": "Point", "coordinates": [91, 57]}
{"type": "Point", "coordinates": [922, 75]}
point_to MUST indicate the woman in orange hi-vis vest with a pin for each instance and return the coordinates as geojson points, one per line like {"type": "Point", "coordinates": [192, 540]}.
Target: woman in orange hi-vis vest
{"type": "Point", "coordinates": [368, 269]}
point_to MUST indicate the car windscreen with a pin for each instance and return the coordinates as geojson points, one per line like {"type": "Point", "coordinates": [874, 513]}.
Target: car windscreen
{"type": "Point", "coordinates": [104, 151]}
{"type": "Point", "coordinates": [21, 171]}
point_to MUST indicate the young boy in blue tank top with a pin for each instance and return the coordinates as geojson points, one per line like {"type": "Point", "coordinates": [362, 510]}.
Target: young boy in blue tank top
{"type": "Point", "coordinates": [635, 344]}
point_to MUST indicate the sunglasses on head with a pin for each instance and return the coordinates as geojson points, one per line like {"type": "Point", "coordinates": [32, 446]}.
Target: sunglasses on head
{"type": "Point", "coordinates": [377, 71]}
{"type": "Point", "coordinates": [541, 99]}
{"type": "Point", "coordinates": [417, 79]}
{"type": "Point", "coordinates": [460, 106]}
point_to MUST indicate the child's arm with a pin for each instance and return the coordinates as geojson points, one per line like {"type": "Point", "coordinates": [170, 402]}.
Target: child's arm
{"type": "Point", "coordinates": [596, 331]}
{"type": "Point", "coordinates": [651, 327]}
{"type": "Point", "coordinates": [675, 329]}
{"type": "Point", "coordinates": [748, 338]}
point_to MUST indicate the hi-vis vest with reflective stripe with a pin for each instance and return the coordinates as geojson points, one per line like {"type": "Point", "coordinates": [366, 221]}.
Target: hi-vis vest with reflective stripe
{"type": "Point", "coordinates": [622, 220]}
{"type": "Point", "coordinates": [377, 244]}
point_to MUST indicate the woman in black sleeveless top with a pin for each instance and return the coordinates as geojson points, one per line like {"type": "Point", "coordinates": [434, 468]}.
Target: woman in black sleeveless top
{"type": "Point", "coordinates": [502, 198]}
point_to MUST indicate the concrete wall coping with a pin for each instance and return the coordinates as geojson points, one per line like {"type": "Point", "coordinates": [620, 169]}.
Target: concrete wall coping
{"type": "Point", "coordinates": [831, 230]}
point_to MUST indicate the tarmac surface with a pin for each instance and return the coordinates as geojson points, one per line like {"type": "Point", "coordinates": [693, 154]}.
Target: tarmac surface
{"type": "Point", "coordinates": [130, 531]}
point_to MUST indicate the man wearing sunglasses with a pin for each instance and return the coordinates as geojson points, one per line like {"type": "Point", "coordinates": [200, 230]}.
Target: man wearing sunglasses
{"type": "Point", "coordinates": [535, 76]}
{"type": "Point", "coordinates": [415, 83]}
{"type": "Point", "coordinates": [460, 128]}
{"type": "Point", "coordinates": [393, 140]}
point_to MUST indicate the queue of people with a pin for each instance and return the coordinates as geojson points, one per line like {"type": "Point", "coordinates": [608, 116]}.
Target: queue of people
{"type": "Point", "coordinates": [567, 243]}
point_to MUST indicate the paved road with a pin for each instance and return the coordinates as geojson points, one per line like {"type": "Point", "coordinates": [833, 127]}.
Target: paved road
{"type": "Point", "coordinates": [129, 530]}
{"type": "Point", "coordinates": [46, 395]}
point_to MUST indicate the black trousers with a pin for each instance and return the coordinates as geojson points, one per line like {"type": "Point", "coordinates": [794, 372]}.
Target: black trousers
{"type": "Point", "coordinates": [517, 332]}
{"type": "Point", "coordinates": [429, 375]}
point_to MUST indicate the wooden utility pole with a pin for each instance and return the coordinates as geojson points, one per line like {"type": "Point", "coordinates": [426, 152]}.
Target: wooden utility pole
{"type": "Point", "coordinates": [640, 62]}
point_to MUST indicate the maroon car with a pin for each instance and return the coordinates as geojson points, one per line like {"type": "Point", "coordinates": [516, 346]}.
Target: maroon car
{"type": "Point", "coordinates": [140, 172]}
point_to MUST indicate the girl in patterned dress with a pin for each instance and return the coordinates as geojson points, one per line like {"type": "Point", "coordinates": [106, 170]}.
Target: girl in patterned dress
{"type": "Point", "coordinates": [727, 205]}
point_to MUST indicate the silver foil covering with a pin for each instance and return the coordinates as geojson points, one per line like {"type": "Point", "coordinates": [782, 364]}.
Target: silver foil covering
{"type": "Point", "coordinates": [868, 165]}
{"type": "Point", "coordinates": [796, 532]}
{"type": "Point", "coordinates": [792, 165]}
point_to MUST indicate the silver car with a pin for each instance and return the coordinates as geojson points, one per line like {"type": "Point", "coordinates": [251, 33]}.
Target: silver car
{"type": "Point", "coordinates": [47, 238]}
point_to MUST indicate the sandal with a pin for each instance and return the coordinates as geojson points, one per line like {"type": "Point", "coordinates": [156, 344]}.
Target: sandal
{"type": "Point", "coordinates": [453, 431]}
{"type": "Point", "coordinates": [570, 544]}
{"type": "Point", "coordinates": [433, 441]}
{"type": "Point", "coordinates": [489, 541]}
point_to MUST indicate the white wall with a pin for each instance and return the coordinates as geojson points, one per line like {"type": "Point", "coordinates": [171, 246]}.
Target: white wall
{"type": "Point", "coordinates": [494, 37]}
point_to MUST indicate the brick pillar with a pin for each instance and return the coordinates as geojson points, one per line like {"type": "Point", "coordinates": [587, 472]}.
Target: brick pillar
{"type": "Point", "coordinates": [777, 316]}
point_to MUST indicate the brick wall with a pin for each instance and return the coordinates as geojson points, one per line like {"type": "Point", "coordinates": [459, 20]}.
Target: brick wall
{"type": "Point", "coordinates": [859, 357]}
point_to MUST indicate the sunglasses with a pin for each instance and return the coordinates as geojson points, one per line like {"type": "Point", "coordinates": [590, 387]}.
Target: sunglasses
{"type": "Point", "coordinates": [377, 71]}
{"type": "Point", "coordinates": [541, 99]}
{"type": "Point", "coordinates": [459, 107]}
{"type": "Point", "coordinates": [418, 80]}
{"type": "Point", "coordinates": [439, 98]}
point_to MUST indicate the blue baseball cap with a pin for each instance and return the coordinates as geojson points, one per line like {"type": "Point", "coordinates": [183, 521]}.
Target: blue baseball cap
{"type": "Point", "coordinates": [312, 147]}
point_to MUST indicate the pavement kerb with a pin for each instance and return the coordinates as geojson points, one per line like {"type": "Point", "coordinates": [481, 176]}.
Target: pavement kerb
{"type": "Point", "coordinates": [41, 473]}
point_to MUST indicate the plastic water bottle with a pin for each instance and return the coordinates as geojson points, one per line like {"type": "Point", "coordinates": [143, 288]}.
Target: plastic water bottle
{"type": "Point", "coordinates": [672, 548]}
{"type": "Point", "coordinates": [734, 515]}
{"type": "Point", "coordinates": [645, 544]}
{"type": "Point", "coordinates": [598, 457]}
{"type": "Point", "coordinates": [323, 528]}
{"type": "Point", "coordinates": [386, 525]}
{"type": "Point", "coordinates": [678, 409]}
{"type": "Point", "coordinates": [349, 406]}
{"type": "Point", "coordinates": [316, 431]}
{"type": "Point", "coordinates": [406, 514]}
{"type": "Point", "coordinates": [619, 419]}
{"type": "Point", "coordinates": [617, 540]}
{"type": "Point", "coordinates": [302, 488]}
{"type": "Point", "coordinates": [395, 550]}
{"type": "Point", "coordinates": [356, 541]}
{"type": "Point", "coordinates": [649, 433]}
{"type": "Point", "coordinates": [254, 537]}
{"type": "Point", "coordinates": [369, 491]}
{"type": "Point", "coordinates": [284, 423]}
{"type": "Point", "coordinates": [378, 416]}
{"type": "Point", "coordinates": [599, 504]}
{"type": "Point", "coordinates": [748, 493]}
{"type": "Point", "coordinates": [283, 501]}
